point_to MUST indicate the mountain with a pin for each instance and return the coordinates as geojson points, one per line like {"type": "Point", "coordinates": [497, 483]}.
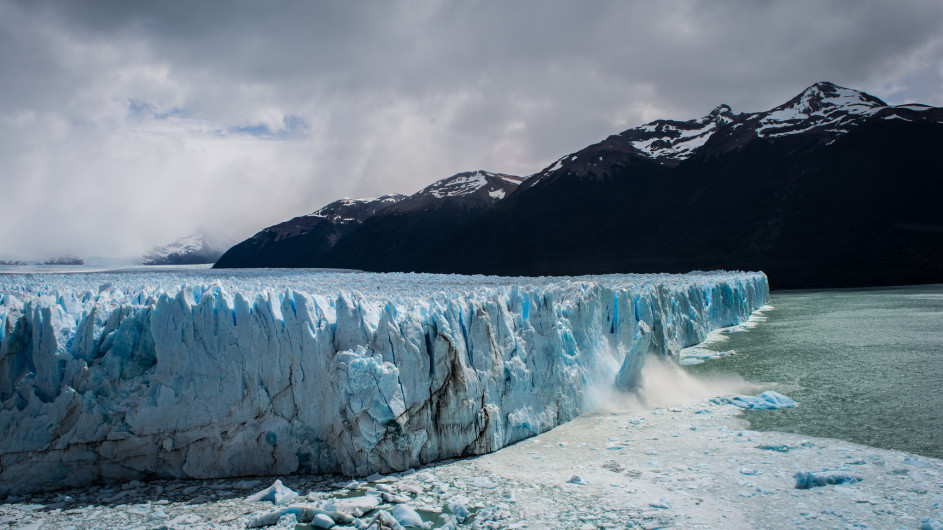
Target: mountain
{"type": "Point", "coordinates": [64, 260]}
{"type": "Point", "coordinates": [833, 188]}
{"type": "Point", "coordinates": [293, 242]}
{"type": "Point", "coordinates": [194, 249]}
{"type": "Point", "coordinates": [465, 191]}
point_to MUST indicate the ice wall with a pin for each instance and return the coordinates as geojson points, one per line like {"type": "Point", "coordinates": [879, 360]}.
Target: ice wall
{"type": "Point", "coordinates": [357, 373]}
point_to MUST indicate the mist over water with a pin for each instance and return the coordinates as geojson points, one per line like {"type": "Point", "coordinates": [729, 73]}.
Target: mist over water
{"type": "Point", "coordinates": [665, 384]}
{"type": "Point", "coordinates": [865, 365]}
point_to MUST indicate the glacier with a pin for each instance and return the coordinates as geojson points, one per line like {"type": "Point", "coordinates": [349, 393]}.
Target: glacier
{"type": "Point", "coordinates": [207, 374]}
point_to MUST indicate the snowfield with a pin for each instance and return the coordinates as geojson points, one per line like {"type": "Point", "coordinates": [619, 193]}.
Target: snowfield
{"type": "Point", "coordinates": [132, 375]}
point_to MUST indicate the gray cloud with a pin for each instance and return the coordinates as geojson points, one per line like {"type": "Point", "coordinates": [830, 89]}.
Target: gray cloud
{"type": "Point", "coordinates": [128, 124]}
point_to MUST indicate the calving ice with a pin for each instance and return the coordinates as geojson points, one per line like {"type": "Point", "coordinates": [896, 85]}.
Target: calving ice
{"type": "Point", "coordinates": [135, 375]}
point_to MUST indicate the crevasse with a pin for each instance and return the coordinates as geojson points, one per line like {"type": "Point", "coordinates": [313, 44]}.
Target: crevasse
{"type": "Point", "coordinates": [230, 379]}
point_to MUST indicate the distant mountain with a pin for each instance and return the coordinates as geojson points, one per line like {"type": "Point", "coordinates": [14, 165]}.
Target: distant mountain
{"type": "Point", "coordinates": [194, 249]}
{"type": "Point", "coordinates": [832, 188]}
{"type": "Point", "coordinates": [65, 260]}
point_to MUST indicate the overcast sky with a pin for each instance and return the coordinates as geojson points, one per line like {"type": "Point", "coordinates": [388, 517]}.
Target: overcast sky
{"type": "Point", "coordinates": [127, 124]}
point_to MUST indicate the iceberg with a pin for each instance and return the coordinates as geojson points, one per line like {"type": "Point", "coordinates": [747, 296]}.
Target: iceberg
{"type": "Point", "coordinates": [193, 374]}
{"type": "Point", "coordinates": [812, 479]}
{"type": "Point", "coordinates": [768, 400]}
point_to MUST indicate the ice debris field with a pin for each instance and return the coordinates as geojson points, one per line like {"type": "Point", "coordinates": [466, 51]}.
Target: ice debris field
{"type": "Point", "coordinates": [196, 374]}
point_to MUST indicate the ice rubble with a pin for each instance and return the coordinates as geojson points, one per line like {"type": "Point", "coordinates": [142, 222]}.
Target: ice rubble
{"type": "Point", "coordinates": [350, 373]}
{"type": "Point", "coordinates": [768, 400]}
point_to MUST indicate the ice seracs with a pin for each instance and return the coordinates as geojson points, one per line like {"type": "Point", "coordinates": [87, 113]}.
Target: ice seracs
{"type": "Point", "coordinates": [101, 378]}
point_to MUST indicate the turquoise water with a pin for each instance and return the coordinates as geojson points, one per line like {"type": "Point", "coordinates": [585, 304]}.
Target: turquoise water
{"type": "Point", "coordinates": [866, 365]}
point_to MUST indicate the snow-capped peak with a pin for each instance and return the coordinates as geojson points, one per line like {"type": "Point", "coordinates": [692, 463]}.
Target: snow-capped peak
{"type": "Point", "coordinates": [470, 182]}
{"type": "Point", "coordinates": [721, 114]}
{"type": "Point", "coordinates": [184, 245]}
{"type": "Point", "coordinates": [677, 140]}
{"type": "Point", "coordinates": [824, 94]}
{"type": "Point", "coordinates": [350, 210]}
{"type": "Point", "coordinates": [824, 106]}
{"type": "Point", "coordinates": [199, 247]}
{"type": "Point", "coordinates": [822, 112]}
{"type": "Point", "coordinates": [468, 190]}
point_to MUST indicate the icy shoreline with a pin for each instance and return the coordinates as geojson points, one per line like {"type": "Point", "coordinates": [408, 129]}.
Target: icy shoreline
{"type": "Point", "coordinates": [129, 376]}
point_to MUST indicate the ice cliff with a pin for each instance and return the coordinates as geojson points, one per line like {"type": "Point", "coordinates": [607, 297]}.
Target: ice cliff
{"type": "Point", "coordinates": [133, 375]}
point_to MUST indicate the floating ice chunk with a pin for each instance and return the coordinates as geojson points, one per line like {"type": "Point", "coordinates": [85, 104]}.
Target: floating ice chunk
{"type": "Point", "coordinates": [289, 521]}
{"type": "Point", "coordinates": [813, 479]}
{"type": "Point", "coordinates": [457, 506]}
{"type": "Point", "coordinates": [271, 517]}
{"type": "Point", "coordinates": [424, 476]}
{"type": "Point", "coordinates": [183, 521]}
{"type": "Point", "coordinates": [661, 503]}
{"type": "Point", "coordinates": [930, 523]}
{"type": "Point", "coordinates": [322, 521]}
{"type": "Point", "coordinates": [394, 499]}
{"type": "Point", "coordinates": [354, 506]}
{"type": "Point", "coordinates": [276, 493]}
{"type": "Point", "coordinates": [778, 448]}
{"type": "Point", "coordinates": [158, 515]}
{"type": "Point", "coordinates": [768, 400]}
{"type": "Point", "coordinates": [408, 517]}
{"type": "Point", "coordinates": [384, 519]}
{"type": "Point", "coordinates": [482, 482]}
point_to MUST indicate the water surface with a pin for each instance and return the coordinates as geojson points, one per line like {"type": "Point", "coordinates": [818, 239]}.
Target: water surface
{"type": "Point", "coordinates": [866, 365]}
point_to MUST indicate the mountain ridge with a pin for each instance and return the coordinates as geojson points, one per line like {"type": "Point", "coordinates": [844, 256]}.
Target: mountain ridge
{"type": "Point", "coordinates": [660, 198]}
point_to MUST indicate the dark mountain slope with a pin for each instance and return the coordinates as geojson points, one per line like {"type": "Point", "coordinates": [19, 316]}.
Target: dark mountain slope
{"type": "Point", "coordinates": [831, 189]}
{"type": "Point", "coordinates": [864, 210]}
{"type": "Point", "coordinates": [290, 244]}
{"type": "Point", "coordinates": [407, 235]}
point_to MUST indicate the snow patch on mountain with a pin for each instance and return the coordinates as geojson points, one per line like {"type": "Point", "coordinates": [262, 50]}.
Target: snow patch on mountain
{"type": "Point", "coordinates": [677, 140]}
{"type": "Point", "coordinates": [355, 210]}
{"type": "Point", "coordinates": [823, 111]}
{"type": "Point", "coordinates": [472, 190]}
{"type": "Point", "coordinates": [468, 183]}
{"type": "Point", "coordinates": [825, 106]}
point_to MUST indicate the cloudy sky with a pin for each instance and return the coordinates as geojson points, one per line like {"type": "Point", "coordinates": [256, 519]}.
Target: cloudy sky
{"type": "Point", "coordinates": [126, 124]}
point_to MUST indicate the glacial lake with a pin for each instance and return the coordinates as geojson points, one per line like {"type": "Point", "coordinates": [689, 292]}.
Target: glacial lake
{"type": "Point", "coordinates": [866, 365]}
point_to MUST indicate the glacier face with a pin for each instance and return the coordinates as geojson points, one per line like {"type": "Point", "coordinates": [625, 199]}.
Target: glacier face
{"type": "Point", "coordinates": [194, 374]}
